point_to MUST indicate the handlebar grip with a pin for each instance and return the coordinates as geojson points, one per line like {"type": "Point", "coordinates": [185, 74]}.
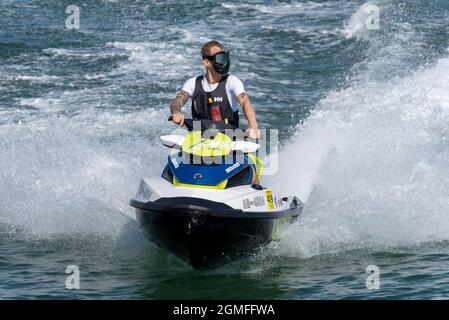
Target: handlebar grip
{"type": "Point", "coordinates": [187, 122]}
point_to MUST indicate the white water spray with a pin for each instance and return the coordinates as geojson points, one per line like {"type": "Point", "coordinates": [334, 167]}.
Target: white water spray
{"type": "Point", "coordinates": [372, 161]}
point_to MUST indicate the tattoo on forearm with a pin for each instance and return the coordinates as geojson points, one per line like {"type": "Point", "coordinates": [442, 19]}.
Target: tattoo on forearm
{"type": "Point", "coordinates": [243, 99]}
{"type": "Point", "coordinates": [179, 101]}
{"type": "Point", "coordinates": [242, 95]}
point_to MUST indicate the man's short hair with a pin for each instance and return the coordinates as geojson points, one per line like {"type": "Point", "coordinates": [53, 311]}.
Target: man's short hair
{"type": "Point", "coordinates": [205, 49]}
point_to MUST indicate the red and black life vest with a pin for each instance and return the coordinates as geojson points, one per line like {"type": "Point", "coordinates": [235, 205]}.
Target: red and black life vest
{"type": "Point", "coordinates": [203, 102]}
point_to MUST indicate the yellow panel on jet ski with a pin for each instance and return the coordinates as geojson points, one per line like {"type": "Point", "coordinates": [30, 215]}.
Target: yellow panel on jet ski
{"type": "Point", "coordinates": [195, 144]}
{"type": "Point", "coordinates": [219, 186]}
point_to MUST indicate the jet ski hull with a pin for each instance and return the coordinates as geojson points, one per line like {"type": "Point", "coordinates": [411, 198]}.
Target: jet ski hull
{"type": "Point", "coordinates": [208, 234]}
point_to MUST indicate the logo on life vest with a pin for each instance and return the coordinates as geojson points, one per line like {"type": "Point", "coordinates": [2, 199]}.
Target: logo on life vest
{"type": "Point", "coordinates": [218, 99]}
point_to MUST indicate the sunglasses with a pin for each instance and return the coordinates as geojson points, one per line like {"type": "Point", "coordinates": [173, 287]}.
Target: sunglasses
{"type": "Point", "coordinates": [221, 57]}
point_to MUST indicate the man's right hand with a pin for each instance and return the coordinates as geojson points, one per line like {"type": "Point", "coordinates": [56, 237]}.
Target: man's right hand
{"type": "Point", "coordinates": [178, 118]}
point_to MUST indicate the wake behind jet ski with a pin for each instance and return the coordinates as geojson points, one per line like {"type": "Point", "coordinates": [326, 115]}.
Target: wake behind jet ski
{"type": "Point", "coordinates": [204, 207]}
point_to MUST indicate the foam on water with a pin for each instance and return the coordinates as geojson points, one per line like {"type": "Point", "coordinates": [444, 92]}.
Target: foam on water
{"type": "Point", "coordinates": [38, 79]}
{"type": "Point", "coordinates": [64, 175]}
{"type": "Point", "coordinates": [283, 9]}
{"type": "Point", "coordinates": [356, 27]}
{"type": "Point", "coordinates": [152, 58]}
{"type": "Point", "coordinates": [372, 162]}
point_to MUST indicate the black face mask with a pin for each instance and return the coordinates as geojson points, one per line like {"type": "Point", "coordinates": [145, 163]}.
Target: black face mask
{"type": "Point", "coordinates": [221, 61]}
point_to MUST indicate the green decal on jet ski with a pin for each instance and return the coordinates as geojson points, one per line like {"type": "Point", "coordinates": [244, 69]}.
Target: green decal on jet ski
{"type": "Point", "coordinates": [258, 164]}
{"type": "Point", "coordinates": [221, 185]}
{"type": "Point", "coordinates": [196, 145]}
{"type": "Point", "coordinates": [278, 227]}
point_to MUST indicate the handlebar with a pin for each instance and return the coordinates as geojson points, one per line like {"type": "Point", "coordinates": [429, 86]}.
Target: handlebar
{"type": "Point", "coordinates": [187, 122]}
{"type": "Point", "coordinates": [206, 124]}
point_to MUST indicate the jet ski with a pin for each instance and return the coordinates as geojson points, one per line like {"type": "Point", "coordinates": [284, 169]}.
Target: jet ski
{"type": "Point", "coordinates": [205, 208]}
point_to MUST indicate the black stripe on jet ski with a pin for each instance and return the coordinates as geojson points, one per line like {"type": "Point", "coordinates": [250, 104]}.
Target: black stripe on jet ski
{"type": "Point", "coordinates": [211, 208]}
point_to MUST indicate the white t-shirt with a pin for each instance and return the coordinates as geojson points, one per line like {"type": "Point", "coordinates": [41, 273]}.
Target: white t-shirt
{"type": "Point", "coordinates": [234, 87]}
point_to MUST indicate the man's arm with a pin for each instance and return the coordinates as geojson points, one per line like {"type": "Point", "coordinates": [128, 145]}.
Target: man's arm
{"type": "Point", "coordinates": [250, 114]}
{"type": "Point", "coordinates": [176, 105]}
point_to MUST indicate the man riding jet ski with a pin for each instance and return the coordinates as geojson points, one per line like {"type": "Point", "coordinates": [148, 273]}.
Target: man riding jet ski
{"type": "Point", "coordinates": [217, 94]}
{"type": "Point", "coordinates": [208, 207]}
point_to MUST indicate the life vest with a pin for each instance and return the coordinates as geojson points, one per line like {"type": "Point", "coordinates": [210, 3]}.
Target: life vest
{"type": "Point", "coordinates": [204, 104]}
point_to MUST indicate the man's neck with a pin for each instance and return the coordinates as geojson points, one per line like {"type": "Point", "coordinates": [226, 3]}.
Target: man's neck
{"type": "Point", "coordinates": [213, 77]}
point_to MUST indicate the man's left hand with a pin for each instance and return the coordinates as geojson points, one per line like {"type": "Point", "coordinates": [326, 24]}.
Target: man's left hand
{"type": "Point", "coordinates": [253, 133]}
